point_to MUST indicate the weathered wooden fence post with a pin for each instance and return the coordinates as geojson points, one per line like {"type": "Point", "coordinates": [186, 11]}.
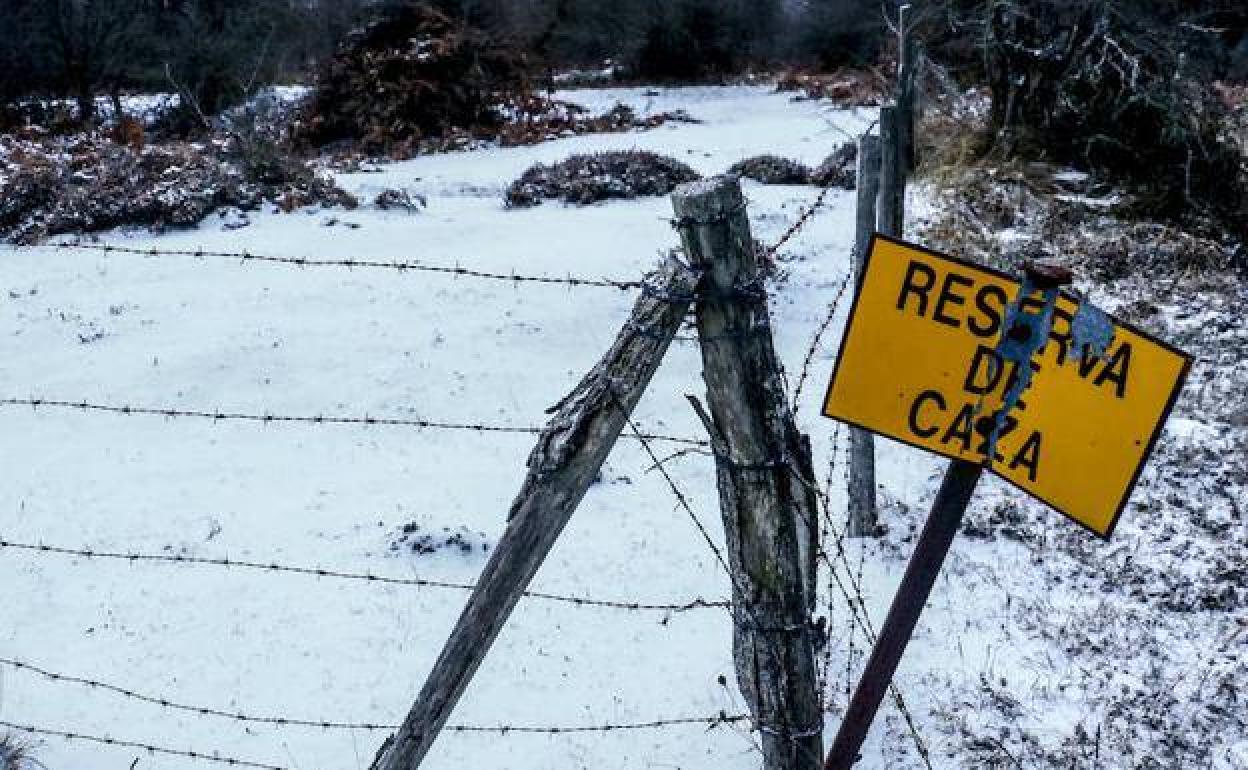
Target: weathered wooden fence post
{"type": "Point", "coordinates": [565, 461]}
{"type": "Point", "coordinates": [907, 68]}
{"type": "Point", "coordinates": [764, 476]}
{"type": "Point", "coordinates": [863, 520]}
{"type": "Point", "coordinates": [891, 214]}
{"type": "Point", "coordinates": [884, 165]}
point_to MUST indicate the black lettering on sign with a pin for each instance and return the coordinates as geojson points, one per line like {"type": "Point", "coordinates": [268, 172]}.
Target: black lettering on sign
{"type": "Point", "coordinates": [961, 427]}
{"type": "Point", "coordinates": [919, 280]}
{"type": "Point", "coordinates": [1087, 362]}
{"type": "Point", "coordinates": [1028, 456]}
{"type": "Point", "coordinates": [1062, 338]}
{"type": "Point", "coordinates": [992, 312]}
{"type": "Point", "coordinates": [985, 426]}
{"type": "Point", "coordinates": [985, 373]}
{"type": "Point", "coordinates": [927, 395]}
{"type": "Point", "coordinates": [948, 296]}
{"type": "Point", "coordinates": [1116, 370]}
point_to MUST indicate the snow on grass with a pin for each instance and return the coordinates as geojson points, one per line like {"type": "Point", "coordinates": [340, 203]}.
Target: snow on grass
{"type": "Point", "coordinates": [210, 334]}
{"type": "Point", "coordinates": [203, 334]}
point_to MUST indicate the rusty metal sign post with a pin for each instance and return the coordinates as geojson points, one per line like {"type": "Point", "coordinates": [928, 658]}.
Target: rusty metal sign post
{"type": "Point", "coordinates": [914, 365]}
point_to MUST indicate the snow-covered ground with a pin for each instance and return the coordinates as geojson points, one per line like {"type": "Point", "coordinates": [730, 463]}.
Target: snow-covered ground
{"type": "Point", "coordinates": [207, 334]}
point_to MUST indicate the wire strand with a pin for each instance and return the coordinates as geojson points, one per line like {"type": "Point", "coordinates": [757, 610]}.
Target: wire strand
{"type": "Point", "coordinates": [276, 419]}
{"type": "Point", "coordinates": [318, 572]}
{"type": "Point", "coordinates": [327, 724]}
{"type": "Point", "coordinates": [196, 755]}
{"type": "Point", "coordinates": [456, 270]}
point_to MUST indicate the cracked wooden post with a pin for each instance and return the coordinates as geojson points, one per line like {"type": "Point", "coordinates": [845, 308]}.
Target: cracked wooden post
{"type": "Point", "coordinates": [764, 475]}
{"type": "Point", "coordinates": [863, 519]}
{"type": "Point", "coordinates": [565, 461]}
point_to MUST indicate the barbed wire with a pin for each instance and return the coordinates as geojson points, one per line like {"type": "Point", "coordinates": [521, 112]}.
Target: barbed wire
{"type": "Point", "coordinates": [857, 604]}
{"type": "Point", "coordinates": [760, 629]}
{"type": "Point", "coordinates": [326, 724]}
{"type": "Point", "coordinates": [455, 270]}
{"type": "Point", "coordinates": [817, 340]}
{"type": "Point", "coordinates": [859, 615]}
{"type": "Point", "coordinates": [196, 755]}
{"type": "Point", "coordinates": [825, 531]}
{"type": "Point", "coordinates": [318, 572]}
{"type": "Point", "coordinates": [274, 419]}
{"type": "Point", "coordinates": [802, 220]}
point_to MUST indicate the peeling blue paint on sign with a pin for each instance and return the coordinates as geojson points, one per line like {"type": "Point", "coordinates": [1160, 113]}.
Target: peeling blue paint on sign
{"type": "Point", "coordinates": [1022, 335]}
{"type": "Point", "coordinates": [1092, 331]}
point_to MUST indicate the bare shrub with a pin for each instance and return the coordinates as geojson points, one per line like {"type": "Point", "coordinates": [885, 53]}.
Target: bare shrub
{"type": "Point", "coordinates": [840, 169]}
{"type": "Point", "coordinates": [414, 74]}
{"type": "Point", "coordinates": [771, 169]}
{"type": "Point", "coordinates": [843, 88]}
{"type": "Point", "coordinates": [88, 183]}
{"type": "Point", "coordinates": [584, 179]}
{"type": "Point", "coordinates": [1114, 88]}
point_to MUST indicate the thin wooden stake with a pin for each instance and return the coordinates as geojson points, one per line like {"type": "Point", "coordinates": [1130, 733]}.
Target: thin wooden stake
{"type": "Point", "coordinates": [863, 519]}
{"type": "Point", "coordinates": [891, 215]}
{"type": "Point", "coordinates": [565, 462]}
{"type": "Point", "coordinates": [764, 473]}
{"type": "Point", "coordinates": [907, 68]}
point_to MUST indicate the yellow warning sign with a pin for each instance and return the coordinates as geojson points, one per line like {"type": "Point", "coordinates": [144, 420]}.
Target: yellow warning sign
{"type": "Point", "coordinates": [1046, 391]}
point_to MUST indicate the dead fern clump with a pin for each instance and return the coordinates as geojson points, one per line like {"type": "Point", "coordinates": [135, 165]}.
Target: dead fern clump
{"type": "Point", "coordinates": [771, 169]}
{"type": "Point", "coordinates": [536, 119]}
{"type": "Point", "coordinates": [840, 169]}
{"type": "Point", "coordinates": [88, 183]}
{"type": "Point", "coordinates": [585, 179]}
{"type": "Point", "coordinates": [844, 88]}
{"type": "Point", "coordinates": [414, 74]}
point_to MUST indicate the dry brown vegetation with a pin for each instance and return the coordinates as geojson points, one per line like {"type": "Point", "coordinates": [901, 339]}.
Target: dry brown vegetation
{"type": "Point", "coordinates": [843, 88]}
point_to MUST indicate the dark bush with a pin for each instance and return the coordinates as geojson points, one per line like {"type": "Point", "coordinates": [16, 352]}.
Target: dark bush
{"type": "Point", "coordinates": [771, 169]}
{"type": "Point", "coordinates": [839, 33]}
{"type": "Point", "coordinates": [584, 179]}
{"type": "Point", "coordinates": [83, 185]}
{"type": "Point", "coordinates": [414, 74]}
{"type": "Point", "coordinates": [840, 169]}
{"type": "Point", "coordinates": [697, 40]}
{"type": "Point", "coordinates": [1107, 87]}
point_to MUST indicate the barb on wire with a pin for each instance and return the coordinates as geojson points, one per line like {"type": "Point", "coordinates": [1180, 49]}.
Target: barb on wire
{"type": "Point", "coordinates": [325, 724]}
{"type": "Point", "coordinates": [765, 633]}
{"type": "Point", "coordinates": [135, 558]}
{"type": "Point", "coordinates": [802, 220]}
{"type": "Point", "coordinates": [399, 265]}
{"type": "Point", "coordinates": [104, 740]}
{"type": "Point", "coordinates": [857, 602]}
{"type": "Point", "coordinates": [274, 419]}
{"type": "Point", "coordinates": [817, 341]}
{"type": "Point", "coordinates": [825, 673]}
